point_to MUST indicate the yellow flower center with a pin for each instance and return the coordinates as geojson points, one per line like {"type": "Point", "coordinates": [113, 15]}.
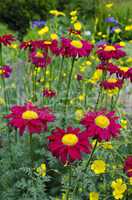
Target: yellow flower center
{"type": "Point", "coordinates": [102, 121]}
{"type": "Point", "coordinates": [76, 43]}
{"type": "Point", "coordinates": [112, 80]}
{"type": "Point", "coordinates": [69, 139]}
{"type": "Point", "coordinates": [124, 69]}
{"type": "Point", "coordinates": [109, 48]}
{"type": "Point", "coordinates": [47, 42]}
{"type": "Point", "coordinates": [1, 71]}
{"type": "Point", "coordinates": [29, 114]}
{"type": "Point", "coordinates": [39, 54]}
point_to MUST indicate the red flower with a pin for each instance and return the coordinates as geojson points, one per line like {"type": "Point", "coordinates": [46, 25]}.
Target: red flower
{"type": "Point", "coordinates": [26, 44]}
{"type": "Point", "coordinates": [106, 52]}
{"type": "Point", "coordinates": [110, 67]}
{"type": "Point", "coordinates": [101, 125]}
{"type": "Point", "coordinates": [122, 72]}
{"type": "Point", "coordinates": [29, 117]}
{"type": "Point", "coordinates": [5, 71]}
{"type": "Point", "coordinates": [68, 145]}
{"type": "Point", "coordinates": [129, 74]}
{"type": "Point", "coordinates": [54, 47]}
{"type": "Point", "coordinates": [128, 166]}
{"type": "Point", "coordinates": [49, 93]}
{"type": "Point", "coordinates": [40, 59]}
{"type": "Point", "coordinates": [7, 39]}
{"type": "Point", "coordinates": [75, 48]}
{"type": "Point", "coordinates": [112, 83]}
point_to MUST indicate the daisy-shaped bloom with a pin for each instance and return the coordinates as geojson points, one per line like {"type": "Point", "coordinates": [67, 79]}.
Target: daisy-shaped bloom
{"type": "Point", "coordinates": [26, 44]}
{"type": "Point", "coordinates": [102, 125]}
{"type": "Point", "coordinates": [5, 71]}
{"type": "Point", "coordinates": [129, 74]}
{"type": "Point", "coordinates": [106, 52]}
{"type": "Point", "coordinates": [128, 166]}
{"type": "Point", "coordinates": [49, 93]}
{"type": "Point", "coordinates": [111, 84]}
{"type": "Point", "coordinates": [110, 67]}
{"type": "Point", "coordinates": [68, 145]}
{"type": "Point", "coordinates": [75, 48]}
{"type": "Point", "coordinates": [29, 117]}
{"type": "Point", "coordinates": [40, 59]}
{"type": "Point", "coordinates": [7, 39]}
{"type": "Point", "coordinates": [122, 72]}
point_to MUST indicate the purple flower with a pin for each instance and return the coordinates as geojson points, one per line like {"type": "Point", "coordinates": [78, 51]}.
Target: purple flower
{"type": "Point", "coordinates": [5, 71]}
{"type": "Point", "coordinates": [111, 20]}
{"type": "Point", "coordinates": [112, 29]}
{"type": "Point", "coordinates": [38, 23]}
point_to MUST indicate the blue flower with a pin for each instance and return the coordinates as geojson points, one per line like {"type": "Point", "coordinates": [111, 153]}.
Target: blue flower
{"type": "Point", "coordinates": [38, 23]}
{"type": "Point", "coordinates": [111, 20]}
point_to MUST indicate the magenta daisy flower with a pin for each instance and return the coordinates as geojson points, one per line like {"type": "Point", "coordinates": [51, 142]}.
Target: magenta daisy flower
{"type": "Point", "coordinates": [112, 83]}
{"type": "Point", "coordinates": [40, 59]}
{"type": "Point", "coordinates": [5, 71]}
{"type": "Point", "coordinates": [106, 52]}
{"type": "Point", "coordinates": [7, 39]}
{"type": "Point", "coordinates": [68, 145]}
{"type": "Point", "coordinates": [101, 125]}
{"type": "Point", "coordinates": [75, 48]}
{"type": "Point", "coordinates": [29, 117]}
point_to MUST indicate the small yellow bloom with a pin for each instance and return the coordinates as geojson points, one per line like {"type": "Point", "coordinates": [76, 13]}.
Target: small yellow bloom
{"type": "Point", "coordinates": [73, 13]}
{"type": "Point", "coordinates": [124, 123]}
{"type": "Point", "coordinates": [14, 46]}
{"type": "Point", "coordinates": [79, 114]}
{"type": "Point", "coordinates": [119, 188]}
{"type": "Point", "coordinates": [54, 36]}
{"type": "Point", "coordinates": [41, 170]}
{"type": "Point", "coordinates": [109, 5]}
{"type": "Point", "coordinates": [130, 179]}
{"type": "Point", "coordinates": [128, 28]}
{"type": "Point", "coordinates": [94, 196]}
{"type": "Point", "coordinates": [123, 44]}
{"type": "Point", "coordinates": [96, 76]}
{"type": "Point", "coordinates": [99, 33]}
{"type": "Point", "coordinates": [117, 30]}
{"type": "Point", "coordinates": [78, 26]}
{"type": "Point", "coordinates": [43, 30]}
{"type": "Point", "coordinates": [81, 97]}
{"type": "Point", "coordinates": [98, 166]}
{"type": "Point", "coordinates": [56, 13]}
{"type": "Point", "coordinates": [107, 145]}
{"type": "Point", "coordinates": [129, 60]}
{"type": "Point", "coordinates": [2, 101]}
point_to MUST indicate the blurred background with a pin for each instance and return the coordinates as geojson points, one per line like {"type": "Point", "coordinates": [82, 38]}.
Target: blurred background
{"type": "Point", "coordinates": [17, 15]}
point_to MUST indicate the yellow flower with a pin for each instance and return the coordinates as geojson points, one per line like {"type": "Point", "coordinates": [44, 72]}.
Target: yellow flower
{"type": "Point", "coordinates": [107, 145]}
{"type": "Point", "coordinates": [117, 30]}
{"type": "Point", "coordinates": [41, 170]}
{"type": "Point", "coordinates": [79, 114]}
{"type": "Point", "coordinates": [56, 13]}
{"type": "Point", "coordinates": [73, 13]}
{"type": "Point", "coordinates": [98, 166]}
{"type": "Point", "coordinates": [81, 97]}
{"type": "Point", "coordinates": [73, 19]}
{"type": "Point", "coordinates": [112, 91]}
{"type": "Point", "coordinates": [77, 26]}
{"type": "Point", "coordinates": [2, 101]}
{"type": "Point", "coordinates": [109, 5]}
{"type": "Point", "coordinates": [119, 188]}
{"type": "Point", "coordinates": [43, 30]}
{"type": "Point", "coordinates": [94, 196]}
{"type": "Point", "coordinates": [124, 123]}
{"type": "Point", "coordinates": [96, 76]}
{"type": "Point", "coordinates": [130, 179]}
{"type": "Point", "coordinates": [129, 60]}
{"type": "Point", "coordinates": [14, 46]}
{"type": "Point", "coordinates": [99, 33]}
{"type": "Point", "coordinates": [123, 44]}
{"type": "Point", "coordinates": [54, 36]}
{"type": "Point", "coordinates": [128, 28]}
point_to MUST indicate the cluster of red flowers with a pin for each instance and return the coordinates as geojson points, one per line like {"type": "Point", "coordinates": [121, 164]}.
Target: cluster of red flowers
{"type": "Point", "coordinates": [49, 93]}
{"type": "Point", "coordinates": [106, 52]}
{"type": "Point", "coordinates": [65, 47]}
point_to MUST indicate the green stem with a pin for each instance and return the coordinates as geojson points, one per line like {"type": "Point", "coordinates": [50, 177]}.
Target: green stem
{"type": "Point", "coordinates": [31, 150]}
{"type": "Point", "coordinates": [69, 186]}
{"type": "Point", "coordinates": [68, 85]}
{"type": "Point", "coordinates": [60, 75]}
